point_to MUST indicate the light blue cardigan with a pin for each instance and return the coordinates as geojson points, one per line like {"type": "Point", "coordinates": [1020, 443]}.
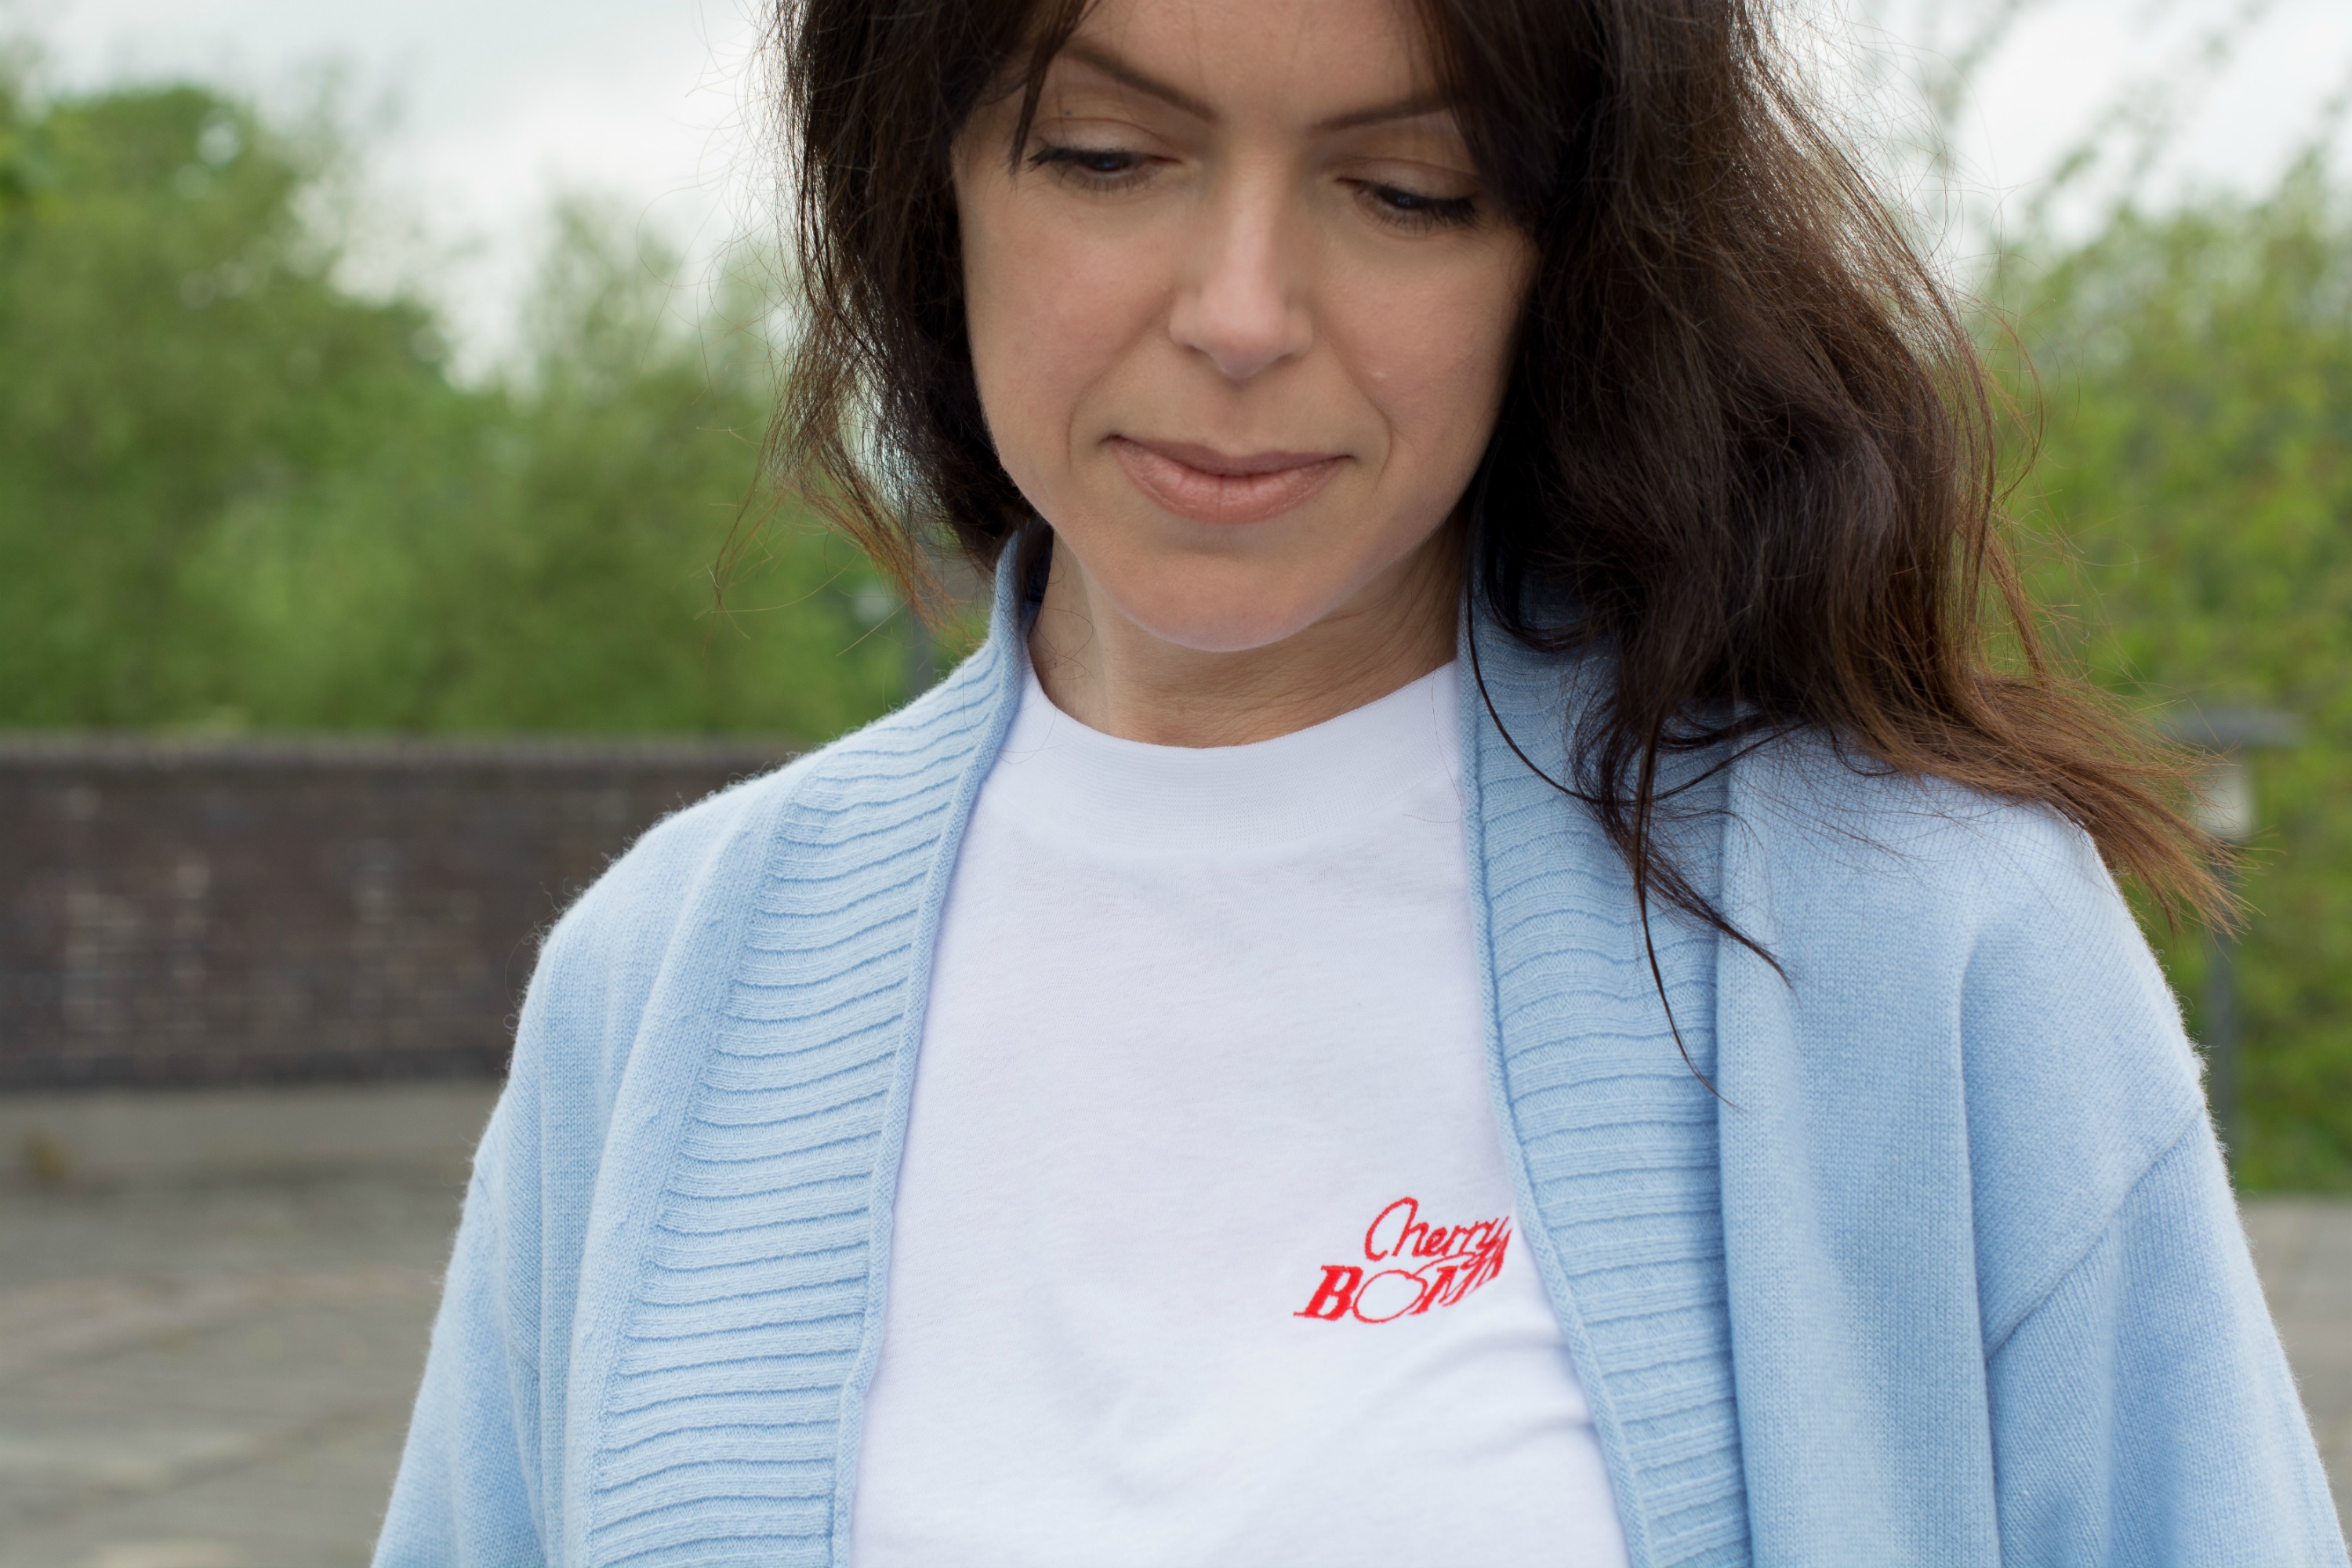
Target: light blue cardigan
{"type": "Point", "coordinates": [1949, 1274]}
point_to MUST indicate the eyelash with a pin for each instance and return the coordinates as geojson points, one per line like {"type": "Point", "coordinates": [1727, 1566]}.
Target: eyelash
{"type": "Point", "coordinates": [1412, 209]}
{"type": "Point", "coordinates": [1408, 210]}
{"type": "Point", "coordinates": [1076, 164]}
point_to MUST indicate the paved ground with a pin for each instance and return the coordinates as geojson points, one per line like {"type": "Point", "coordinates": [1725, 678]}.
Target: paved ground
{"type": "Point", "coordinates": [210, 1377]}
{"type": "Point", "coordinates": [2304, 1249]}
{"type": "Point", "coordinates": [218, 1376]}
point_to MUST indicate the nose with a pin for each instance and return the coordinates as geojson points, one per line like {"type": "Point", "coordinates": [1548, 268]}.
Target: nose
{"type": "Point", "coordinates": [1241, 303]}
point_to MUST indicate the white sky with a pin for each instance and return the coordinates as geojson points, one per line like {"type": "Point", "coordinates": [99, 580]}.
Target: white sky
{"type": "Point", "coordinates": [498, 103]}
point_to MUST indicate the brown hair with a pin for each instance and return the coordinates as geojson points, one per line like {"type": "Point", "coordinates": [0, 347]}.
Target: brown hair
{"type": "Point", "coordinates": [1746, 437]}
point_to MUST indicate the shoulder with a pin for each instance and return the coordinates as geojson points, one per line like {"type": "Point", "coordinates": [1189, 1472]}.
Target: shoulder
{"type": "Point", "coordinates": [641, 897]}
{"type": "Point", "coordinates": [661, 911]}
{"type": "Point", "coordinates": [1945, 945]}
{"type": "Point", "coordinates": [667, 917]}
{"type": "Point", "coordinates": [1843, 840]}
{"type": "Point", "coordinates": [2001, 910]}
{"type": "Point", "coordinates": [698, 866]}
{"type": "Point", "coordinates": [1983, 903]}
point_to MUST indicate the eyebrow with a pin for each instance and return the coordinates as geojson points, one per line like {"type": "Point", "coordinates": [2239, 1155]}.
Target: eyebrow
{"type": "Point", "coordinates": [1128, 76]}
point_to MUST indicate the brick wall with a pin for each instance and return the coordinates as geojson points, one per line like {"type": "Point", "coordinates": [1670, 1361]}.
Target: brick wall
{"type": "Point", "coordinates": [182, 912]}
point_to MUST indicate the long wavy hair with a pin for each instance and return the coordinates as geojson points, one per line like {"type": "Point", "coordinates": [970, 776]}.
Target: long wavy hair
{"type": "Point", "coordinates": [1747, 435]}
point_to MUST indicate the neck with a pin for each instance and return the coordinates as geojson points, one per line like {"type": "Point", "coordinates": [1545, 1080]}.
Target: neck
{"type": "Point", "coordinates": [1114, 675]}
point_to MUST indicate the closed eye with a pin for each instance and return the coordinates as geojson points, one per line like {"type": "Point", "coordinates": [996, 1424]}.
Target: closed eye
{"type": "Point", "coordinates": [1099, 168]}
{"type": "Point", "coordinates": [1417, 209]}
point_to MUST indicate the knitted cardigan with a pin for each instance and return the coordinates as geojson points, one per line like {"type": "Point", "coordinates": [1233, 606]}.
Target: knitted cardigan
{"type": "Point", "coordinates": [1944, 1268]}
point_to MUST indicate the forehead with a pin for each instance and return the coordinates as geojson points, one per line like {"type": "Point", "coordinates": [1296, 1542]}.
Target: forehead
{"type": "Point", "coordinates": [1311, 61]}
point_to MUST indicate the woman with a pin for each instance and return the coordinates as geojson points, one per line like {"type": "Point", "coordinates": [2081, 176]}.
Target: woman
{"type": "Point", "coordinates": [1479, 970]}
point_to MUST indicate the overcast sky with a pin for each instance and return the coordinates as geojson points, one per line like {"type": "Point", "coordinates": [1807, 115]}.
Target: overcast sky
{"type": "Point", "coordinates": [498, 102]}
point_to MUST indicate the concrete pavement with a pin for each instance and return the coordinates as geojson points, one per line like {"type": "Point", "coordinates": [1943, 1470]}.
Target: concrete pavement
{"type": "Point", "coordinates": [217, 1374]}
{"type": "Point", "coordinates": [210, 1377]}
{"type": "Point", "coordinates": [2303, 1247]}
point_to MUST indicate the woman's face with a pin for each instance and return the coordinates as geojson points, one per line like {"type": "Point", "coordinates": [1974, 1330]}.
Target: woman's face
{"type": "Point", "coordinates": [1240, 312]}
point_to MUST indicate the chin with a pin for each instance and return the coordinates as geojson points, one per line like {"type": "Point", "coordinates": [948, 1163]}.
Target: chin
{"type": "Point", "coordinates": [1209, 612]}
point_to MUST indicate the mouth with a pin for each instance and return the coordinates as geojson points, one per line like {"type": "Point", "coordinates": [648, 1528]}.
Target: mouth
{"type": "Point", "coordinates": [1208, 486]}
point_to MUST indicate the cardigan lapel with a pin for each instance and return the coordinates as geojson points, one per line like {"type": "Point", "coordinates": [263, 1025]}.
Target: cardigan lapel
{"type": "Point", "coordinates": [727, 1399]}
{"type": "Point", "coordinates": [1612, 1133]}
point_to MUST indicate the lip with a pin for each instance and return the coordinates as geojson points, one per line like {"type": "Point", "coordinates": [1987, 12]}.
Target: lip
{"type": "Point", "coordinates": [1223, 487]}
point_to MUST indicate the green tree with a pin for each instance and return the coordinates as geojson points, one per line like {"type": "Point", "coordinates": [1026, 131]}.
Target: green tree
{"type": "Point", "coordinates": [232, 492]}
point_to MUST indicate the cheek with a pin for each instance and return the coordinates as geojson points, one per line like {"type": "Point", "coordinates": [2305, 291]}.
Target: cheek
{"type": "Point", "coordinates": [1049, 312]}
{"type": "Point", "coordinates": [1434, 357]}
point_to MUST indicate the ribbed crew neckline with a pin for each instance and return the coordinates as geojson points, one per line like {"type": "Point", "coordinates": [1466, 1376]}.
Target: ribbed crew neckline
{"type": "Point", "coordinates": [1305, 784]}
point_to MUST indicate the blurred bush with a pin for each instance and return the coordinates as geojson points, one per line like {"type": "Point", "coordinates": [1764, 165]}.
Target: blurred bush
{"type": "Point", "coordinates": [2191, 508]}
{"type": "Point", "coordinates": [232, 493]}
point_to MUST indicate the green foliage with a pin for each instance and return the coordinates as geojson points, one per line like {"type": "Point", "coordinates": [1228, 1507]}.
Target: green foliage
{"type": "Point", "coordinates": [233, 494]}
{"type": "Point", "coordinates": [2193, 494]}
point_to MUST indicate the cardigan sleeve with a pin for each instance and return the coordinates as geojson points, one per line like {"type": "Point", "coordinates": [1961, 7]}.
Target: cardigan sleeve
{"type": "Point", "coordinates": [491, 1446]}
{"type": "Point", "coordinates": [481, 1480]}
{"type": "Point", "coordinates": [463, 1496]}
{"type": "Point", "coordinates": [466, 1492]}
{"type": "Point", "coordinates": [472, 1489]}
{"type": "Point", "coordinates": [2143, 1412]}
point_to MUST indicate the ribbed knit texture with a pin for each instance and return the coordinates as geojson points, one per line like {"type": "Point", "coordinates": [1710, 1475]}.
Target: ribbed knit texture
{"type": "Point", "coordinates": [730, 1422]}
{"type": "Point", "coordinates": [1956, 1204]}
{"type": "Point", "coordinates": [1617, 1137]}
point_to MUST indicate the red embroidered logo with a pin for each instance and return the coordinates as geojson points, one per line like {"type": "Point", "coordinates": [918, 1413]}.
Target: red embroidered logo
{"type": "Point", "coordinates": [1428, 1266]}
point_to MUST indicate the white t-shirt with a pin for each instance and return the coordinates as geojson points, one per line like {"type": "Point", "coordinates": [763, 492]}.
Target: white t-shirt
{"type": "Point", "coordinates": [1204, 1249]}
